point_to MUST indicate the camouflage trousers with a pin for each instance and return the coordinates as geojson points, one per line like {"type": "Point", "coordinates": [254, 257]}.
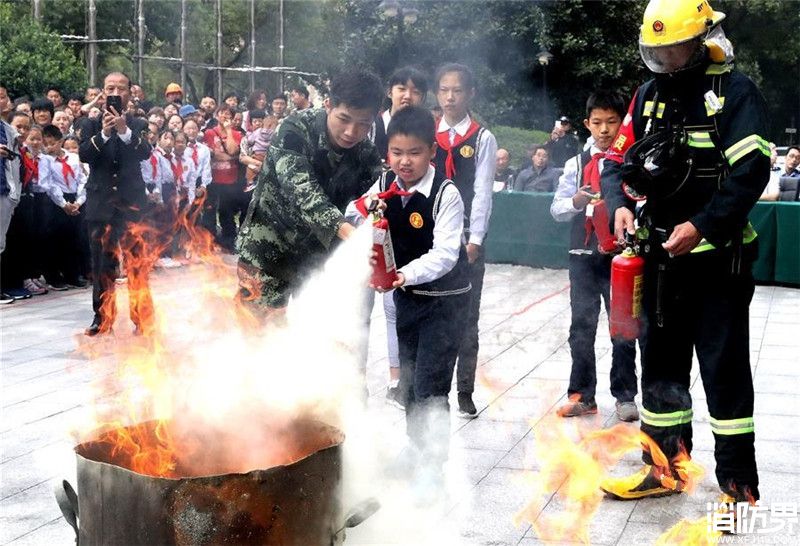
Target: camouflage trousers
{"type": "Point", "coordinates": [261, 292]}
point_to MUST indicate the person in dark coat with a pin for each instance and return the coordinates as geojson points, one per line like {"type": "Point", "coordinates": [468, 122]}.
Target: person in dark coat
{"type": "Point", "coordinates": [115, 199]}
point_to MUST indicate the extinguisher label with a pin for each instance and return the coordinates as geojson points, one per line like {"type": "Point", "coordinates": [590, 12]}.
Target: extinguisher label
{"type": "Point", "coordinates": [383, 237]}
{"type": "Point", "coordinates": [636, 310]}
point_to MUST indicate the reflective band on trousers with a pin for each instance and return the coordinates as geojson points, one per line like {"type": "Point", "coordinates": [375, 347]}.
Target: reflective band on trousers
{"type": "Point", "coordinates": [648, 109]}
{"type": "Point", "coordinates": [745, 146]}
{"type": "Point", "coordinates": [748, 236]}
{"type": "Point", "coordinates": [700, 140]}
{"type": "Point", "coordinates": [680, 417]}
{"type": "Point", "coordinates": [729, 427]}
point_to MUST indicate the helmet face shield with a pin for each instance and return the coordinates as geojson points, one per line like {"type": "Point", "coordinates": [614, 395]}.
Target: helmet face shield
{"type": "Point", "coordinates": [670, 58]}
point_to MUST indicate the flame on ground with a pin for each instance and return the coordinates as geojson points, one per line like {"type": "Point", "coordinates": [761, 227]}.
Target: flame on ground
{"type": "Point", "coordinates": [571, 472]}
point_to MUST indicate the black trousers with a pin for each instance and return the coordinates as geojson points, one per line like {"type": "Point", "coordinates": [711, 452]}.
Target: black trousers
{"type": "Point", "coordinates": [109, 240]}
{"type": "Point", "coordinates": [590, 279]}
{"type": "Point", "coordinates": [63, 263]}
{"type": "Point", "coordinates": [23, 250]}
{"type": "Point", "coordinates": [468, 351]}
{"type": "Point", "coordinates": [233, 201]}
{"type": "Point", "coordinates": [701, 302]}
{"type": "Point", "coordinates": [429, 331]}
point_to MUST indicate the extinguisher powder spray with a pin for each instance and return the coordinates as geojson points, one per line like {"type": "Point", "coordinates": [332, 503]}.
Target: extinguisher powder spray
{"type": "Point", "coordinates": [627, 275]}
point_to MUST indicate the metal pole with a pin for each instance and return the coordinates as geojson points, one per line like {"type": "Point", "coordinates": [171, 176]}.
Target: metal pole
{"type": "Point", "coordinates": [218, 11]}
{"type": "Point", "coordinates": [91, 52]}
{"type": "Point", "coordinates": [37, 10]}
{"type": "Point", "coordinates": [183, 48]}
{"type": "Point", "coordinates": [280, 35]}
{"type": "Point", "coordinates": [252, 44]}
{"type": "Point", "coordinates": [140, 42]}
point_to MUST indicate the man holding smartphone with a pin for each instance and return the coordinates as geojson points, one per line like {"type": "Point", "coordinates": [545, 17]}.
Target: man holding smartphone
{"type": "Point", "coordinates": [115, 197]}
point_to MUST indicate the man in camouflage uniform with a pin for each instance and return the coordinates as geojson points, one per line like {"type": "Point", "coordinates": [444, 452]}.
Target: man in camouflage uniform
{"type": "Point", "coordinates": [319, 161]}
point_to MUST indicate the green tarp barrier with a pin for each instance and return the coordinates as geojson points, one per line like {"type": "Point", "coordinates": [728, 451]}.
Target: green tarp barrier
{"type": "Point", "coordinates": [522, 232]}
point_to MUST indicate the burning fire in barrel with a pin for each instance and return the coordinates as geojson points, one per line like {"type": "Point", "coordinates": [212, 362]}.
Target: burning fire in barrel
{"type": "Point", "coordinates": [284, 493]}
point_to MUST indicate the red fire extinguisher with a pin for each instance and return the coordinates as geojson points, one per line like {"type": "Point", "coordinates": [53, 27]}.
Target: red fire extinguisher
{"type": "Point", "coordinates": [384, 272]}
{"type": "Point", "coordinates": [627, 276]}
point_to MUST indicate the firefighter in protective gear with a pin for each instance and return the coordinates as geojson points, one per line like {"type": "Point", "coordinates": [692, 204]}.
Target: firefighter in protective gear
{"type": "Point", "coordinates": [699, 246]}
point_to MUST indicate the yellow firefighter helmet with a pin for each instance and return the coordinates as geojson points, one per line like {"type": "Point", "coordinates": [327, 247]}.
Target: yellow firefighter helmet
{"type": "Point", "coordinates": [668, 22]}
{"type": "Point", "coordinates": [672, 31]}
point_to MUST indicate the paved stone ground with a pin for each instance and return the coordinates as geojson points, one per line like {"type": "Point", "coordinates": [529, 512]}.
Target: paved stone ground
{"type": "Point", "coordinates": [524, 367]}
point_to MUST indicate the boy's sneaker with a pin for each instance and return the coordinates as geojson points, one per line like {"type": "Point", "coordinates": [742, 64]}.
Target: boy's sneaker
{"type": "Point", "coordinates": [627, 411]}
{"type": "Point", "coordinates": [33, 287]}
{"type": "Point", "coordinates": [577, 407]}
{"type": "Point", "coordinates": [18, 293]}
{"type": "Point", "coordinates": [395, 398]}
{"type": "Point", "coordinates": [466, 407]}
{"type": "Point", "coordinates": [5, 299]}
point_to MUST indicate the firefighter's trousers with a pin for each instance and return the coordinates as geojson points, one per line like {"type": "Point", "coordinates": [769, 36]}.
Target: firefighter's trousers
{"type": "Point", "coordinates": [701, 301]}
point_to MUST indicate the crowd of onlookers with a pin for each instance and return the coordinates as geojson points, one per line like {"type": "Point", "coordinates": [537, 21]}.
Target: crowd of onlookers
{"type": "Point", "coordinates": [203, 166]}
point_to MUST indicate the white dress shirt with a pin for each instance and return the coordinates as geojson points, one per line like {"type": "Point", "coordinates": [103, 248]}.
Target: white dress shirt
{"type": "Point", "coordinates": [485, 164]}
{"type": "Point", "coordinates": [562, 209]}
{"type": "Point", "coordinates": [51, 178]}
{"type": "Point", "coordinates": [203, 167]}
{"type": "Point", "coordinates": [447, 231]}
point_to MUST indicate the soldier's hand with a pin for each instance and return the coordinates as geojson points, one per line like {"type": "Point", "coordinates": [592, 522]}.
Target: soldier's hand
{"type": "Point", "coordinates": [400, 281]}
{"type": "Point", "coordinates": [683, 239]}
{"type": "Point", "coordinates": [623, 223]}
{"type": "Point", "coordinates": [345, 230]}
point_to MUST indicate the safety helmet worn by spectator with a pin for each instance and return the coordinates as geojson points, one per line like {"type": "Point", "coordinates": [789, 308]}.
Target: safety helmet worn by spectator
{"type": "Point", "coordinates": [673, 32]}
{"type": "Point", "coordinates": [173, 88]}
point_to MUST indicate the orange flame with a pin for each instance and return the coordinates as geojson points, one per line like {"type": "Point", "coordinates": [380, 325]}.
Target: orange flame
{"type": "Point", "coordinates": [572, 471]}
{"type": "Point", "coordinates": [148, 365]}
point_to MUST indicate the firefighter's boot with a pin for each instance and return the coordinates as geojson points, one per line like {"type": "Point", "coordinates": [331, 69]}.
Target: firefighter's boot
{"type": "Point", "coordinates": [650, 481]}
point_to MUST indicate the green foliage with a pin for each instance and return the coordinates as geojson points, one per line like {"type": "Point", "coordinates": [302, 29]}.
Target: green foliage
{"type": "Point", "coordinates": [33, 58]}
{"type": "Point", "coordinates": [517, 141]}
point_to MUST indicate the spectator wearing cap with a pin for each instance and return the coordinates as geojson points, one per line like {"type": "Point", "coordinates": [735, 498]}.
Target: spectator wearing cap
{"type": "Point", "coordinates": [186, 110]}
{"type": "Point", "coordinates": [563, 143]}
{"type": "Point", "coordinates": [174, 93]}
{"type": "Point", "coordinates": [42, 111]}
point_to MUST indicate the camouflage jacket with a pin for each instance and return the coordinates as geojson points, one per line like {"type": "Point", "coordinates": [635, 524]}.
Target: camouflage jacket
{"type": "Point", "coordinates": [302, 192]}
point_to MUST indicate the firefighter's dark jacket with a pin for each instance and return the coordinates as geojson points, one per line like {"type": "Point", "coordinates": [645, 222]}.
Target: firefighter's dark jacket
{"type": "Point", "coordinates": [730, 156]}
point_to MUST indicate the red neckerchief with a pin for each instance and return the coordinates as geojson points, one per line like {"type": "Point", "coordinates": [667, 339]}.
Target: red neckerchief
{"type": "Point", "coordinates": [30, 165]}
{"type": "Point", "coordinates": [443, 139]}
{"type": "Point", "coordinates": [154, 165]}
{"type": "Point", "coordinates": [393, 190]}
{"type": "Point", "coordinates": [177, 169]}
{"type": "Point", "coordinates": [598, 221]}
{"type": "Point", "coordinates": [193, 146]}
{"type": "Point", "coordinates": [66, 170]}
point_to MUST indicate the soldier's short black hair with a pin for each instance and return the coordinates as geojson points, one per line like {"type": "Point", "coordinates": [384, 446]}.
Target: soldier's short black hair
{"type": "Point", "coordinates": [357, 88]}
{"type": "Point", "coordinates": [52, 131]}
{"type": "Point", "coordinates": [604, 99]}
{"type": "Point", "coordinates": [413, 121]}
{"type": "Point", "coordinates": [43, 104]}
{"type": "Point", "coordinates": [466, 76]}
{"type": "Point", "coordinates": [403, 75]}
{"type": "Point", "coordinates": [301, 90]}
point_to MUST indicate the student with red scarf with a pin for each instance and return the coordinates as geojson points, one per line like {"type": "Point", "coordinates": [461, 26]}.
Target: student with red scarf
{"type": "Point", "coordinates": [466, 155]}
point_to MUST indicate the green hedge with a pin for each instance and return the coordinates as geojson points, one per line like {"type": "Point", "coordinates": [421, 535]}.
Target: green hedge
{"type": "Point", "coordinates": [517, 141]}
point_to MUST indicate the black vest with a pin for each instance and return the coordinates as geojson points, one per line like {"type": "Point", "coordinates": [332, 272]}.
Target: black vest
{"type": "Point", "coordinates": [410, 242]}
{"type": "Point", "coordinates": [465, 157]}
{"type": "Point", "coordinates": [577, 238]}
{"type": "Point", "coordinates": [381, 141]}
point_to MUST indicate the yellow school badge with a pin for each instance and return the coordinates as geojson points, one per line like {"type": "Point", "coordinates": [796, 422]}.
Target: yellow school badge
{"type": "Point", "coordinates": [467, 151]}
{"type": "Point", "coordinates": [415, 220]}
